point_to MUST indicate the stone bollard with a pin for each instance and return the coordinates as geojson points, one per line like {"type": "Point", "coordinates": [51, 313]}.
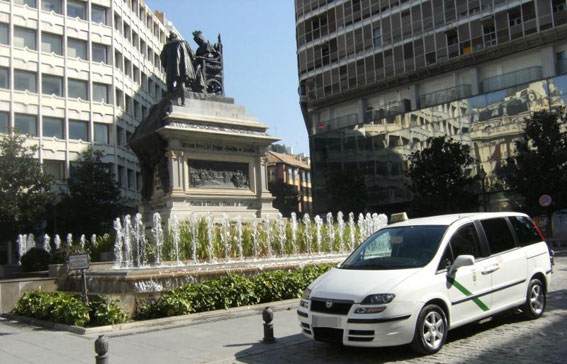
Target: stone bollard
{"type": "Point", "coordinates": [268, 316]}
{"type": "Point", "coordinates": [101, 348]}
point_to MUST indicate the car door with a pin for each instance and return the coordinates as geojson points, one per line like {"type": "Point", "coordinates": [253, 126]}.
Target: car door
{"type": "Point", "coordinates": [507, 264]}
{"type": "Point", "coordinates": [467, 288]}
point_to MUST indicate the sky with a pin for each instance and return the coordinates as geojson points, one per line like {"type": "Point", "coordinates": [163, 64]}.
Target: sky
{"type": "Point", "coordinates": [260, 61]}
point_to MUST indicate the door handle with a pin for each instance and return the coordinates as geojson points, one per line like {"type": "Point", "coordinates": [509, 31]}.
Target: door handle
{"type": "Point", "coordinates": [491, 268]}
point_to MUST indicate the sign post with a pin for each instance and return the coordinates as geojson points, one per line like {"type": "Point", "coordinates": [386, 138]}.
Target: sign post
{"type": "Point", "coordinates": [81, 262]}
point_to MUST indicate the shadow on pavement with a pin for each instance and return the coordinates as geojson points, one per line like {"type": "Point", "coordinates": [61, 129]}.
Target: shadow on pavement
{"type": "Point", "coordinates": [299, 349]}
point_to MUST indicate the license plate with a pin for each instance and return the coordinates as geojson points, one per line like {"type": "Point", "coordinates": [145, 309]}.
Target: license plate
{"type": "Point", "coordinates": [326, 321]}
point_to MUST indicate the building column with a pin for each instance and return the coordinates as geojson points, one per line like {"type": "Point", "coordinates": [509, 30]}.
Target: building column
{"type": "Point", "coordinates": [414, 96]}
{"type": "Point", "coordinates": [548, 60]}
{"type": "Point", "coordinates": [475, 81]}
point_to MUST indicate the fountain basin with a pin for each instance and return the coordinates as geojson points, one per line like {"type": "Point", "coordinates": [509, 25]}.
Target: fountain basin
{"type": "Point", "coordinates": [134, 286]}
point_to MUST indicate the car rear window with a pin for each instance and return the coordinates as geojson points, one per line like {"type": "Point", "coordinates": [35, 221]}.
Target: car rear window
{"type": "Point", "coordinates": [525, 229]}
{"type": "Point", "coordinates": [498, 235]}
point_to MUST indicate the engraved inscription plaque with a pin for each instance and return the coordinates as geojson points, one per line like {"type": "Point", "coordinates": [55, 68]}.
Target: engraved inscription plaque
{"type": "Point", "coordinates": [212, 174]}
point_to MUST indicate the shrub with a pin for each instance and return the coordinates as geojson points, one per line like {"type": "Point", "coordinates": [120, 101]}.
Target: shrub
{"type": "Point", "coordinates": [232, 291]}
{"type": "Point", "coordinates": [35, 259]}
{"type": "Point", "coordinates": [68, 309]}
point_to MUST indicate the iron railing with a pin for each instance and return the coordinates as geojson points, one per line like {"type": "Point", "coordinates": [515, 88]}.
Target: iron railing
{"type": "Point", "coordinates": [444, 96]}
{"type": "Point", "coordinates": [511, 79]}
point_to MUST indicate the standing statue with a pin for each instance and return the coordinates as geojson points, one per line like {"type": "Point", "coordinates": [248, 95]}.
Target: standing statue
{"type": "Point", "coordinates": [177, 59]}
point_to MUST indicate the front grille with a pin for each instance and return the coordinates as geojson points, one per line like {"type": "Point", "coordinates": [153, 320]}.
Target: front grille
{"type": "Point", "coordinates": [338, 307]}
{"type": "Point", "coordinates": [328, 335]}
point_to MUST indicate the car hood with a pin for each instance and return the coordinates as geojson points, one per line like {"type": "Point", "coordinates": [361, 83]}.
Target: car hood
{"type": "Point", "coordinates": [355, 285]}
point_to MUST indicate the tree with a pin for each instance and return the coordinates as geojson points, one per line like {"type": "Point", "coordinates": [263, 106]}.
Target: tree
{"type": "Point", "coordinates": [24, 188]}
{"type": "Point", "coordinates": [346, 191]}
{"type": "Point", "coordinates": [93, 201]}
{"type": "Point", "coordinates": [438, 179]}
{"type": "Point", "coordinates": [539, 164]}
{"type": "Point", "coordinates": [287, 197]}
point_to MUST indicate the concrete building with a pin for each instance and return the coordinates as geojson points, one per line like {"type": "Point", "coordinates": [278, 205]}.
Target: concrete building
{"type": "Point", "coordinates": [75, 73]}
{"type": "Point", "coordinates": [378, 77]}
{"type": "Point", "coordinates": [294, 170]}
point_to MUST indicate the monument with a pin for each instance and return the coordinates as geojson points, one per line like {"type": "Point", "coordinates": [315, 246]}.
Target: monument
{"type": "Point", "coordinates": [198, 151]}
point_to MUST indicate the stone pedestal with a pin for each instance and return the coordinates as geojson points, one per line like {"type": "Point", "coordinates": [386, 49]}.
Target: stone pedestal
{"type": "Point", "coordinates": [215, 161]}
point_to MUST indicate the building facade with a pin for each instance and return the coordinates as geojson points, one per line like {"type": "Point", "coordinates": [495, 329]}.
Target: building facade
{"type": "Point", "coordinates": [378, 77]}
{"type": "Point", "coordinates": [293, 170]}
{"type": "Point", "coordinates": [76, 73]}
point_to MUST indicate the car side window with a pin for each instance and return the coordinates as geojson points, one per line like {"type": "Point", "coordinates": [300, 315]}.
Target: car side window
{"type": "Point", "coordinates": [446, 260]}
{"type": "Point", "coordinates": [498, 235]}
{"type": "Point", "coordinates": [466, 242]}
{"type": "Point", "coordinates": [525, 230]}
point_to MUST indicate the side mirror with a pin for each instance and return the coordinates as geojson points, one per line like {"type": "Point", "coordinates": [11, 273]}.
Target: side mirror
{"type": "Point", "coordinates": [461, 261]}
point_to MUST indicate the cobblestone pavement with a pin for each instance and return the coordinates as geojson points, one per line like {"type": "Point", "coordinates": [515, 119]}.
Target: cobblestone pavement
{"type": "Point", "coordinates": [507, 338]}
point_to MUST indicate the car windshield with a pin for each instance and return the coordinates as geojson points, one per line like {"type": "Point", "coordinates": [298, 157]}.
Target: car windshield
{"type": "Point", "coordinates": [397, 248]}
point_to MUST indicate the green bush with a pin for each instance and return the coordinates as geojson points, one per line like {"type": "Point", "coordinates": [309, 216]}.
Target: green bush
{"type": "Point", "coordinates": [35, 259]}
{"type": "Point", "coordinates": [68, 309]}
{"type": "Point", "coordinates": [232, 291]}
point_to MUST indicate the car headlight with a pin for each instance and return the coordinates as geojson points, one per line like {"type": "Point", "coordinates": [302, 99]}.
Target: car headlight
{"type": "Point", "coordinates": [306, 294]}
{"type": "Point", "coordinates": [378, 299]}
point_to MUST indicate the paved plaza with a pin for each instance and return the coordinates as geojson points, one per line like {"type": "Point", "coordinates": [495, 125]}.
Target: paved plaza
{"type": "Point", "coordinates": [507, 338]}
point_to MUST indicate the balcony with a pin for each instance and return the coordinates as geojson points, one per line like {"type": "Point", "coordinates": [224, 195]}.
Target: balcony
{"type": "Point", "coordinates": [511, 79]}
{"type": "Point", "coordinates": [446, 95]}
{"type": "Point", "coordinates": [337, 123]}
{"type": "Point", "coordinates": [387, 110]}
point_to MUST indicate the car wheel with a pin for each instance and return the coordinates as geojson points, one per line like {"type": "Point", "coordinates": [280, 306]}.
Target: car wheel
{"type": "Point", "coordinates": [430, 331]}
{"type": "Point", "coordinates": [535, 300]}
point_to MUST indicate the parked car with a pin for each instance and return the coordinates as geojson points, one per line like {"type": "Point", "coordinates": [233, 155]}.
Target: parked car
{"type": "Point", "coordinates": [413, 281]}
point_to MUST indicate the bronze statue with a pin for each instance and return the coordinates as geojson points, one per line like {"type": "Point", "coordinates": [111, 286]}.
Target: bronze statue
{"type": "Point", "coordinates": [177, 59]}
{"type": "Point", "coordinates": [208, 63]}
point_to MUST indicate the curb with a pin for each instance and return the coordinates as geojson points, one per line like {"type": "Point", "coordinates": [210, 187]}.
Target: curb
{"type": "Point", "coordinates": [136, 327]}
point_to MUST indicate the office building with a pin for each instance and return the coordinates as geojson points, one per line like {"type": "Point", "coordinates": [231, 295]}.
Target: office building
{"type": "Point", "coordinates": [378, 77]}
{"type": "Point", "coordinates": [76, 73]}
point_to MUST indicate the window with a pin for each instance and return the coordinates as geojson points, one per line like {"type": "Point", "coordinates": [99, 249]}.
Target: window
{"type": "Point", "coordinates": [76, 9]}
{"type": "Point", "coordinates": [51, 5]}
{"type": "Point", "coordinates": [26, 124]}
{"type": "Point", "coordinates": [30, 3]}
{"type": "Point", "coordinates": [466, 242]}
{"type": "Point", "coordinates": [100, 92]}
{"type": "Point", "coordinates": [98, 14]}
{"type": "Point", "coordinates": [498, 235]}
{"type": "Point", "coordinates": [4, 78]}
{"type": "Point", "coordinates": [51, 85]}
{"type": "Point", "coordinates": [137, 110]}
{"type": "Point", "coordinates": [136, 75]}
{"type": "Point", "coordinates": [76, 48]}
{"type": "Point", "coordinates": [25, 81]}
{"type": "Point", "coordinates": [129, 105]}
{"type": "Point", "coordinates": [51, 43]}
{"type": "Point", "coordinates": [4, 122]}
{"type": "Point", "coordinates": [99, 53]}
{"type": "Point", "coordinates": [118, 60]}
{"type": "Point", "coordinates": [127, 67]}
{"type": "Point", "coordinates": [25, 38]}
{"type": "Point", "coordinates": [120, 136]}
{"type": "Point", "coordinates": [78, 130]}
{"type": "Point", "coordinates": [101, 133]}
{"type": "Point", "coordinates": [4, 34]}
{"type": "Point", "coordinates": [52, 127]}
{"type": "Point", "coordinates": [121, 179]}
{"type": "Point", "coordinates": [56, 169]}
{"type": "Point", "coordinates": [77, 89]}
{"type": "Point", "coordinates": [525, 230]}
{"type": "Point", "coordinates": [119, 100]}
{"type": "Point", "coordinates": [131, 180]}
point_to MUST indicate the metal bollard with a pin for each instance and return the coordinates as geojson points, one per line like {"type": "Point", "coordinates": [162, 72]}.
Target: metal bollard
{"type": "Point", "coordinates": [268, 316]}
{"type": "Point", "coordinates": [101, 348]}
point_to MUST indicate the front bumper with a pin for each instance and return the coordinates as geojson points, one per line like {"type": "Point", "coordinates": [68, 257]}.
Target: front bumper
{"type": "Point", "coordinates": [394, 326]}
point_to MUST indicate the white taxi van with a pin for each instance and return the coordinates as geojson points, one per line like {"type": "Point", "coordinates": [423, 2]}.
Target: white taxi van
{"type": "Point", "coordinates": [413, 281]}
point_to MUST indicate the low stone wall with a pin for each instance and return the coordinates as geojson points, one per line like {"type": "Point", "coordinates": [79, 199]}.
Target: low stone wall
{"type": "Point", "coordinates": [12, 289]}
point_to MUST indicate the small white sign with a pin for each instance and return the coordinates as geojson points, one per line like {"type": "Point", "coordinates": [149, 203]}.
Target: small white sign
{"type": "Point", "coordinates": [79, 261]}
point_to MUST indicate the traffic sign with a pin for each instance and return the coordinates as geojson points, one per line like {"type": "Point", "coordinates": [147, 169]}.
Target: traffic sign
{"type": "Point", "coordinates": [545, 200]}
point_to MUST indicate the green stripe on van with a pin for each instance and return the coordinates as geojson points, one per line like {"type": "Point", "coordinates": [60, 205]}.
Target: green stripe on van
{"type": "Point", "coordinates": [467, 293]}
